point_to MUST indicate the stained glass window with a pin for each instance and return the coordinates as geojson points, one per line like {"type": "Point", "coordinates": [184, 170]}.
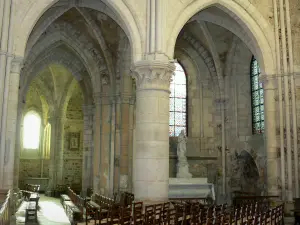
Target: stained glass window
{"type": "Point", "coordinates": [257, 94]}
{"type": "Point", "coordinates": [178, 102]}
{"type": "Point", "coordinates": [31, 131]}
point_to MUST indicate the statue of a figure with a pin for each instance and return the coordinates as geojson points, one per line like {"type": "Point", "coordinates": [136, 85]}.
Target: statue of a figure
{"type": "Point", "coordinates": [182, 164]}
{"type": "Point", "coordinates": [181, 146]}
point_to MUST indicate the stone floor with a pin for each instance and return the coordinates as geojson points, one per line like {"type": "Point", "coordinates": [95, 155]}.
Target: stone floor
{"type": "Point", "coordinates": [50, 212]}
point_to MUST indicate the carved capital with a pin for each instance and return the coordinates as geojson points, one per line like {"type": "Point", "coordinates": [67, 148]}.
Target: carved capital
{"type": "Point", "coordinates": [155, 75]}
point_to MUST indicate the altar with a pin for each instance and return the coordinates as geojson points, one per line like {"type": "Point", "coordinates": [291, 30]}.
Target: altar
{"type": "Point", "coordinates": [191, 188]}
{"type": "Point", "coordinates": [184, 186]}
{"type": "Point", "coordinates": [42, 181]}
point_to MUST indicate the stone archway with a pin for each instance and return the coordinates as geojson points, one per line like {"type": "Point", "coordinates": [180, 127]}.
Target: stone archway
{"type": "Point", "coordinates": [255, 28]}
{"type": "Point", "coordinates": [38, 8]}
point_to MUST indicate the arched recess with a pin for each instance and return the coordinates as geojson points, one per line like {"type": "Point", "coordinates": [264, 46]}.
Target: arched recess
{"type": "Point", "coordinates": [254, 24]}
{"type": "Point", "coordinates": [38, 8]}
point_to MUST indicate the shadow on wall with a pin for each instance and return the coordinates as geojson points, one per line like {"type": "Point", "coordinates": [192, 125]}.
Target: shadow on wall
{"type": "Point", "coordinates": [248, 172]}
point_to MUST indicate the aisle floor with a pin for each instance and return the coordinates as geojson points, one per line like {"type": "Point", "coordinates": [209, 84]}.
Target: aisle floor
{"type": "Point", "coordinates": [50, 212]}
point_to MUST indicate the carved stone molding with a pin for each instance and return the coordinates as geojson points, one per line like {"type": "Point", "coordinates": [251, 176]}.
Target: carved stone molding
{"type": "Point", "coordinates": [153, 75]}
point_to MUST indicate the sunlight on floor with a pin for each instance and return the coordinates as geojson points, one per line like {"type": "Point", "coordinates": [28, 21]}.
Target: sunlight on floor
{"type": "Point", "coordinates": [52, 212]}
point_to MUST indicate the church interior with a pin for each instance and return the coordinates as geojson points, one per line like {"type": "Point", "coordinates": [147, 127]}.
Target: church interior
{"type": "Point", "coordinates": [149, 112]}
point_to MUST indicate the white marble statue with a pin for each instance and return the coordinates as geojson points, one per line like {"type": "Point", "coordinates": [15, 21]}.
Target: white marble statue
{"type": "Point", "coordinates": [182, 164]}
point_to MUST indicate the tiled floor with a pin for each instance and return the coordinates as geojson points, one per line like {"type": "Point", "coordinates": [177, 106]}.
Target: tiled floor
{"type": "Point", "coordinates": [50, 212]}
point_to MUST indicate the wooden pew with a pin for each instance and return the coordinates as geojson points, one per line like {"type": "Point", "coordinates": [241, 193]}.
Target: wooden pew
{"type": "Point", "coordinates": [5, 214]}
{"type": "Point", "coordinates": [73, 205]}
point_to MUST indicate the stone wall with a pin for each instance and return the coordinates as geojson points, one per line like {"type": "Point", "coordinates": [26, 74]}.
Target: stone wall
{"type": "Point", "coordinates": [73, 128]}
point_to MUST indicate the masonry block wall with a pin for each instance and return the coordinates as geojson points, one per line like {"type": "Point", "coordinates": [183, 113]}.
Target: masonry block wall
{"type": "Point", "coordinates": [73, 129]}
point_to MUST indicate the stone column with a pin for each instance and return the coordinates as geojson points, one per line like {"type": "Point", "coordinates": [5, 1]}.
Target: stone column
{"type": "Point", "coordinates": [52, 165]}
{"type": "Point", "coordinates": [151, 159]}
{"type": "Point", "coordinates": [269, 84]}
{"type": "Point", "coordinates": [87, 173]}
{"type": "Point", "coordinates": [18, 144]}
{"type": "Point", "coordinates": [12, 154]}
{"type": "Point", "coordinates": [102, 123]}
{"type": "Point", "coordinates": [59, 154]}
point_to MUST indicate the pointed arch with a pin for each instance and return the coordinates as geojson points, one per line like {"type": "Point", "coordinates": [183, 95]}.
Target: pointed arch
{"type": "Point", "coordinates": [256, 27]}
{"type": "Point", "coordinates": [37, 8]}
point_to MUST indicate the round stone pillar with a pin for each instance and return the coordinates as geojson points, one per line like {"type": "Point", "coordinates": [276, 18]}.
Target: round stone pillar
{"type": "Point", "coordinates": [151, 157]}
{"type": "Point", "coordinates": [272, 161]}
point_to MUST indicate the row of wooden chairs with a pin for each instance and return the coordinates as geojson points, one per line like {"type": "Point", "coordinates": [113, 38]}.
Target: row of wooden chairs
{"type": "Point", "coordinates": [98, 203]}
{"type": "Point", "coordinates": [195, 213]}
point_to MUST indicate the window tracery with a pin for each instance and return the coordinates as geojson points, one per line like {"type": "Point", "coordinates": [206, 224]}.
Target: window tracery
{"type": "Point", "coordinates": [178, 102]}
{"type": "Point", "coordinates": [257, 96]}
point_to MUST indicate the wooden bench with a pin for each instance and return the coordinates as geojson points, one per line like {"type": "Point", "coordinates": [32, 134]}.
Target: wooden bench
{"type": "Point", "coordinates": [5, 214]}
{"type": "Point", "coordinates": [73, 206]}
{"type": "Point", "coordinates": [31, 212]}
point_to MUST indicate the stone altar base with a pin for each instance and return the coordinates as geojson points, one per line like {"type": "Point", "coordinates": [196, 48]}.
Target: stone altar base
{"type": "Point", "coordinates": [190, 188]}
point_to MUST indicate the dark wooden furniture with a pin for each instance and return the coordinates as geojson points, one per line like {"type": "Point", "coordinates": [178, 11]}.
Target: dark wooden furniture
{"type": "Point", "coordinates": [73, 205]}
{"type": "Point", "coordinates": [297, 210]}
{"type": "Point", "coordinates": [31, 212]}
{"type": "Point", "coordinates": [5, 213]}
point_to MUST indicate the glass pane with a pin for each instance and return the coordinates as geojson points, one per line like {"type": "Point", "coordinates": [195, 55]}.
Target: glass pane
{"type": "Point", "coordinates": [171, 130]}
{"type": "Point", "coordinates": [254, 67]}
{"type": "Point", "coordinates": [263, 126]}
{"type": "Point", "coordinates": [179, 119]}
{"type": "Point", "coordinates": [180, 105]}
{"type": "Point", "coordinates": [180, 91]}
{"type": "Point", "coordinates": [262, 108]}
{"type": "Point", "coordinates": [254, 85]}
{"type": "Point", "coordinates": [261, 92]}
{"type": "Point", "coordinates": [180, 78]}
{"type": "Point", "coordinates": [256, 102]}
{"type": "Point", "coordinates": [172, 104]}
{"type": "Point", "coordinates": [171, 118]}
{"type": "Point", "coordinates": [178, 130]}
{"type": "Point", "coordinates": [255, 97]}
{"type": "Point", "coordinates": [184, 118]}
{"type": "Point", "coordinates": [262, 117]}
{"type": "Point", "coordinates": [257, 126]}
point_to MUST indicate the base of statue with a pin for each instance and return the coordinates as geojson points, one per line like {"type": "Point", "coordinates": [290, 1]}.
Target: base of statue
{"type": "Point", "coordinates": [183, 170]}
{"type": "Point", "coordinates": [190, 188]}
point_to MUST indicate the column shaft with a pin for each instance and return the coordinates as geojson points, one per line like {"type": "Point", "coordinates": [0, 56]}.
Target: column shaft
{"type": "Point", "coordinates": [87, 173]}
{"type": "Point", "coordinates": [270, 135]}
{"type": "Point", "coordinates": [151, 162]}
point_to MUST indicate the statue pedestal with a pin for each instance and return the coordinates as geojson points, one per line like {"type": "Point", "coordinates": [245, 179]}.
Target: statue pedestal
{"type": "Point", "coordinates": [183, 170]}
{"type": "Point", "coordinates": [190, 188]}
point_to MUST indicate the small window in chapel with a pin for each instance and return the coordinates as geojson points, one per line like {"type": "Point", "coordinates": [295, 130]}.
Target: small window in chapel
{"type": "Point", "coordinates": [31, 130]}
{"type": "Point", "coordinates": [178, 98]}
{"type": "Point", "coordinates": [257, 94]}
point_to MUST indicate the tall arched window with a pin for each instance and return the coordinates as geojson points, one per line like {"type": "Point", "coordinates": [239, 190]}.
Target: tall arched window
{"type": "Point", "coordinates": [31, 130]}
{"type": "Point", "coordinates": [178, 99]}
{"type": "Point", "coordinates": [257, 94]}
